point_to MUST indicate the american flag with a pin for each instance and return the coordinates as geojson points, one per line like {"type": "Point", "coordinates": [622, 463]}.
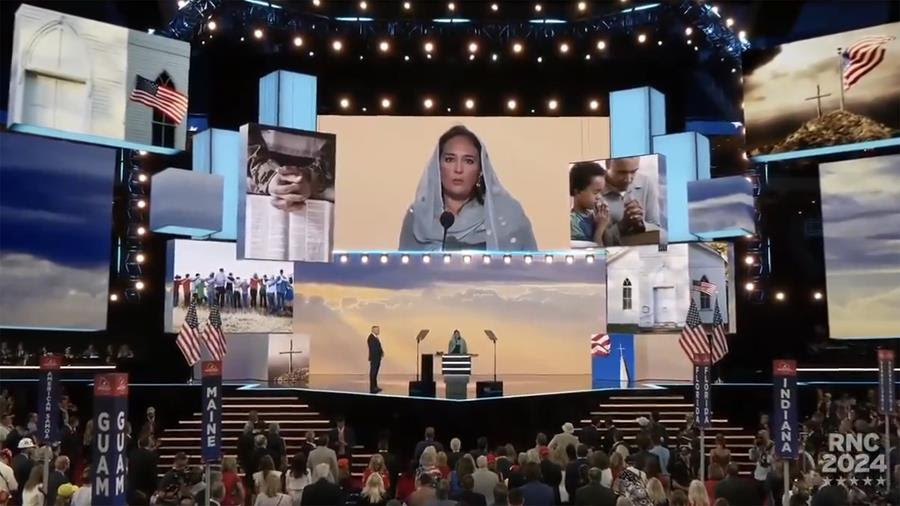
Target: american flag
{"type": "Point", "coordinates": [862, 57]}
{"type": "Point", "coordinates": [212, 335]}
{"type": "Point", "coordinates": [704, 286]}
{"type": "Point", "coordinates": [600, 345]}
{"type": "Point", "coordinates": [693, 338]}
{"type": "Point", "coordinates": [187, 339]}
{"type": "Point", "coordinates": [719, 343]}
{"type": "Point", "coordinates": [166, 100]}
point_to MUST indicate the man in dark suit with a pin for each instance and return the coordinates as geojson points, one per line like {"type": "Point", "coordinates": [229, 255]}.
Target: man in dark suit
{"type": "Point", "coordinates": [533, 491]}
{"type": "Point", "coordinates": [736, 490]}
{"type": "Point", "coordinates": [342, 438]}
{"type": "Point", "coordinates": [428, 441]}
{"type": "Point", "coordinates": [58, 476]}
{"type": "Point", "coordinates": [577, 461]}
{"type": "Point", "coordinates": [468, 496]}
{"type": "Point", "coordinates": [376, 353]}
{"type": "Point", "coordinates": [551, 474]}
{"type": "Point", "coordinates": [590, 434]}
{"type": "Point", "coordinates": [594, 494]}
{"type": "Point", "coordinates": [322, 492]}
{"type": "Point", "coordinates": [142, 471]}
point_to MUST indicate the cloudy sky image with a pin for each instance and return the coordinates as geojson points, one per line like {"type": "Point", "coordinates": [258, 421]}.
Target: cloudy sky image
{"type": "Point", "coordinates": [861, 226]}
{"type": "Point", "coordinates": [54, 195]}
{"type": "Point", "coordinates": [775, 92]}
{"type": "Point", "coordinates": [543, 314]}
{"type": "Point", "coordinates": [724, 203]}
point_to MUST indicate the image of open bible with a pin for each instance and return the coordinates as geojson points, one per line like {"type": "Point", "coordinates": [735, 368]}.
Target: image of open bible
{"type": "Point", "coordinates": [298, 235]}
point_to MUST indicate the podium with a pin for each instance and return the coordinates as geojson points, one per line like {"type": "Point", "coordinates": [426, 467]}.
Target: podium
{"type": "Point", "coordinates": [456, 369]}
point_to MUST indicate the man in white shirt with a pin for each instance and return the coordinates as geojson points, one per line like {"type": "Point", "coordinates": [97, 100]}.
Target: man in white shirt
{"type": "Point", "coordinates": [632, 197]}
{"type": "Point", "coordinates": [6, 426]}
{"type": "Point", "coordinates": [8, 481]}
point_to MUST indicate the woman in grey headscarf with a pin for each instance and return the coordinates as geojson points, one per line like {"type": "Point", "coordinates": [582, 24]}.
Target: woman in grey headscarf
{"type": "Point", "coordinates": [460, 179]}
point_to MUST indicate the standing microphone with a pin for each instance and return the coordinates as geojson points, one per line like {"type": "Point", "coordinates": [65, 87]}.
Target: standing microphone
{"type": "Point", "coordinates": [447, 219]}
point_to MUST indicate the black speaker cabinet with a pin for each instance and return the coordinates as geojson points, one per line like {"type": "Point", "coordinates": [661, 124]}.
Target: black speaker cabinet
{"type": "Point", "coordinates": [422, 388]}
{"type": "Point", "coordinates": [488, 389]}
{"type": "Point", "coordinates": [427, 367]}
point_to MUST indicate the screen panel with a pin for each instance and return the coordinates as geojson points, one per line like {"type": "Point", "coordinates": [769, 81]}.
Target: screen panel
{"type": "Point", "coordinates": [55, 224]}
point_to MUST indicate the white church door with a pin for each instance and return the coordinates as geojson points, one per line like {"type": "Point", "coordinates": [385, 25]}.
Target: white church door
{"type": "Point", "coordinates": [57, 78]}
{"type": "Point", "coordinates": [664, 306]}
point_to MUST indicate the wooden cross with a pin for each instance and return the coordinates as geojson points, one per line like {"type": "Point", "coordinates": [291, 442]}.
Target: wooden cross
{"type": "Point", "coordinates": [818, 98]}
{"type": "Point", "coordinates": [290, 353]}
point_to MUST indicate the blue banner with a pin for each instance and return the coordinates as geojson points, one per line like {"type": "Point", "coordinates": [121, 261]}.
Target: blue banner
{"type": "Point", "coordinates": [48, 399]}
{"type": "Point", "coordinates": [110, 415]}
{"type": "Point", "coordinates": [702, 402]}
{"type": "Point", "coordinates": [211, 439]}
{"type": "Point", "coordinates": [886, 394]}
{"type": "Point", "coordinates": [785, 434]}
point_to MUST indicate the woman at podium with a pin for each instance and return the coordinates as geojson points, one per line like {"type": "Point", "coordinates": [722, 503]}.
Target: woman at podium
{"type": "Point", "coordinates": [457, 345]}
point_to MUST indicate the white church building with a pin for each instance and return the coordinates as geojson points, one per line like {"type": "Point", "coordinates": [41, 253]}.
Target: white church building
{"type": "Point", "coordinates": [652, 289]}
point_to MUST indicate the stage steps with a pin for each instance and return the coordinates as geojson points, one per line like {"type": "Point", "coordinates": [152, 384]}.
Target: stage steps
{"type": "Point", "coordinates": [293, 416]}
{"type": "Point", "coordinates": [626, 408]}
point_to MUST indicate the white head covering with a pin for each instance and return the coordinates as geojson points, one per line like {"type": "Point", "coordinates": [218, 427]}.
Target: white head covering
{"type": "Point", "coordinates": [499, 224]}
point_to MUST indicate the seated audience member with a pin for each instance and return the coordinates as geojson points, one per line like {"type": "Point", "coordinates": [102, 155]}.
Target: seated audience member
{"type": "Point", "coordinates": [468, 496]}
{"type": "Point", "coordinates": [373, 492]}
{"type": "Point", "coordinates": [424, 493]}
{"type": "Point", "coordinates": [485, 479]}
{"type": "Point", "coordinates": [322, 492]}
{"type": "Point", "coordinates": [271, 494]}
{"type": "Point", "coordinates": [595, 493]}
{"type": "Point", "coordinates": [534, 491]}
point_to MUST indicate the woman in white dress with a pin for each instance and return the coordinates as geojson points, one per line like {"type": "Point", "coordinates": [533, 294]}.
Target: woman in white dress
{"type": "Point", "coordinates": [296, 479]}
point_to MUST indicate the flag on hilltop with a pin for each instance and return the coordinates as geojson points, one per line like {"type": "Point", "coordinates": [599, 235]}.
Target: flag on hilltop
{"type": "Point", "coordinates": [212, 335]}
{"type": "Point", "coordinates": [187, 338]}
{"type": "Point", "coordinates": [164, 99]}
{"type": "Point", "coordinates": [693, 338]}
{"type": "Point", "coordinates": [719, 343]}
{"type": "Point", "coordinates": [862, 57]}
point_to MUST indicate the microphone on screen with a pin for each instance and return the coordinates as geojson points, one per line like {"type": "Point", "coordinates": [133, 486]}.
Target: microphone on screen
{"type": "Point", "coordinates": [447, 219]}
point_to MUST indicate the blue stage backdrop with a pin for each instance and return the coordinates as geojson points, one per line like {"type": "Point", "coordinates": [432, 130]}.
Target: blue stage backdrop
{"type": "Point", "coordinates": [55, 221]}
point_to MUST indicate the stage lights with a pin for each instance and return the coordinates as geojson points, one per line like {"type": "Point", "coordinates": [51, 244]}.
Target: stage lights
{"type": "Point", "coordinates": [564, 48]}
{"type": "Point", "coordinates": [426, 259]}
{"type": "Point", "coordinates": [142, 178]}
{"type": "Point", "coordinates": [540, 59]}
{"type": "Point", "coordinates": [601, 45]}
{"type": "Point", "coordinates": [495, 7]}
{"type": "Point", "coordinates": [364, 259]}
{"type": "Point", "coordinates": [729, 22]}
{"type": "Point", "coordinates": [494, 56]}
{"type": "Point", "coordinates": [258, 33]}
{"type": "Point", "coordinates": [182, 3]}
{"type": "Point", "coordinates": [142, 152]}
{"type": "Point", "coordinates": [384, 46]}
{"type": "Point", "coordinates": [552, 104]}
{"type": "Point", "coordinates": [337, 46]}
{"type": "Point", "coordinates": [316, 3]}
{"type": "Point", "coordinates": [428, 46]}
{"type": "Point", "coordinates": [570, 259]}
{"type": "Point", "coordinates": [589, 259]}
{"type": "Point", "coordinates": [528, 259]}
{"type": "Point", "coordinates": [451, 6]}
{"type": "Point", "coordinates": [538, 7]}
{"type": "Point", "coordinates": [742, 36]}
{"type": "Point", "coordinates": [113, 297]}
{"type": "Point", "coordinates": [344, 259]}
{"type": "Point", "coordinates": [407, 6]}
{"type": "Point", "coordinates": [446, 259]}
{"type": "Point", "coordinates": [486, 259]}
{"type": "Point", "coordinates": [517, 47]}
{"type": "Point", "coordinates": [780, 296]}
{"type": "Point", "coordinates": [511, 104]}
{"type": "Point", "coordinates": [749, 260]}
{"type": "Point", "coordinates": [141, 204]}
{"type": "Point", "coordinates": [404, 259]}
{"type": "Point", "coordinates": [467, 259]}
{"type": "Point", "coordinates": [139, 258]}
{"type": "Point", "coordinates": [344, 103]}
{"type": "Point", "coordinates": [428, 103]}
{"type": "Point", "coordinates": [384, 259]}
{"type": "Point", "coordinates": [363, 5]}
{"type": "Point", "coordinates": [473, 47]}
{"type": "Point", "coordinates": [470, 104]}
{"type": "Point", "coordinates": [749, 286]}
{"type": "Point", "coordinates": [139, 285]}
{"type": "Point", "coordinates": [298, 41]}
{"type": "Point", "coordinates": [688, 30]}
{"type": "Point", "coordinates": [141, 230]}
{"type": "Point", "coordinates": [507, 259]}
{"type": "Point", "coordinates": [211, 26]}
{"type": "Point", "coordinates": [593, 105]}
{"type": "Point", "coordinates": [548, 259]}
{"type": "Point", "coordinates": [582, 6]}
{"type": "Point", "coordinates": [641, 38]}
{"type": "Point", "coordinates": [817, 295]}
{"type": "Point", "coordinates": [385, 103]}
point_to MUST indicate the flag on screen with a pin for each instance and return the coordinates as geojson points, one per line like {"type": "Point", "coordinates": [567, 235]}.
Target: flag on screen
{"type": "Point", "coordinates": [862, 57]}
{"type": "Point", "coordinates": [693, 338]}
{"type": "Point", "coordinates": [719, 343]}
{"type": "Point", "coordinates": [187, 339]}
{"type": "Point", "coordinates": [165, 100]}
{"type": "Point", "coordinates": [600, 345]}
{"type": "Point", "coordinates": [704, 286]}
{"type": "Point", "coordinates": [212, 335]}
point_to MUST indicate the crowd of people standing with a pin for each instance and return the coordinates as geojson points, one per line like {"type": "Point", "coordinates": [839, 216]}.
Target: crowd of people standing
{"type": "Point", "coordinates": [269, 294]}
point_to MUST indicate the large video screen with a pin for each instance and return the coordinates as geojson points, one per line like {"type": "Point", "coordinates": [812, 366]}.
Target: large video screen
{"type": "Point", "coordinates": [618, 202]}
{"type": "Point", "coordinates": [543, 314]}
{"type": "Point", "coordinates": [861, 228]}
{"type": "Point", "coordinates": [500, 180]}
{"type": "Point", "coordinates": [55, 232]}
{"type": "Point", "coordinates": [286, 209]}
{"type": "Point", "coordinates": [253, 296]}
{"type": "Point", "coordinates": [825, 91]}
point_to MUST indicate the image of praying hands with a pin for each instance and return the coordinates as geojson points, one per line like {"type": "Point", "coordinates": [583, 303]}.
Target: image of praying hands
{"type": "Point", "coordinates": [290, 187]}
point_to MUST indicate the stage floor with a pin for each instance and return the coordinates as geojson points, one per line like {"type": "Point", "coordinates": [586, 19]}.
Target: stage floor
{"type": "Point", "coordinates": [513, 384]}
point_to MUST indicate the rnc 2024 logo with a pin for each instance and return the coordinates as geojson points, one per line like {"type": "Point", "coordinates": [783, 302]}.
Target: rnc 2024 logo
{"type": "Point", "coordinates": [853, 458]}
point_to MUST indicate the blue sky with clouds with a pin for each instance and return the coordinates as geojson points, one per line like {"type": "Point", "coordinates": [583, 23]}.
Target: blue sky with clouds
{"type": "Point", "coordinates": [720, 204]}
